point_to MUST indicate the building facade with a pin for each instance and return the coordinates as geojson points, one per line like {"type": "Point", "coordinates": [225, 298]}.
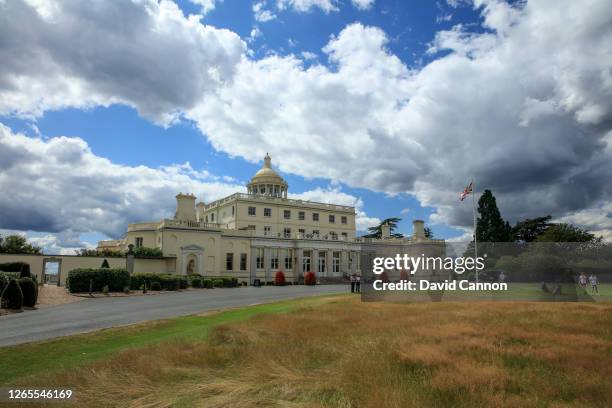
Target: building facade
{"type": "Point", "coordinates": [255, 234]}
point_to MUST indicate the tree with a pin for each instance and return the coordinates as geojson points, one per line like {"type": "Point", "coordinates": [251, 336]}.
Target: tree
{"type": "Point", "coordinates": [529, 229]}
{"type": "Point", "coordinates": [490, 226]}
{"type": "Point", "coordinates": [17, 244]}
{"type": "Point", "coordinates": [567, 233]}
{"type": "Point", "coordinates": [105, 264]}
{"type": "Point", "coordinates": [429, 233]}
{"type": "Point", "coordinates": [376, 232]}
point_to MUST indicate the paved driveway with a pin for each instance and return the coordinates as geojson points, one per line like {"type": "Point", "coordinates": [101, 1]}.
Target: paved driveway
{"type": "Point", "coordinates": [93, 314]}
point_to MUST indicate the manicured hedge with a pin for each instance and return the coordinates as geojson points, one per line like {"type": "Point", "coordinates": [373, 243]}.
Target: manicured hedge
{"type": "Point", "coordinates": [116, 279]}
{"type": "Point", "coordinates": [166, 281]}
{"type": "Point", "coordinates": [29, 290]}
{"type": "Point", "coordinates": [196, 282]}
{"type": "Point", "coordinates": [207, 283]}
{"type": "Point", "coordinates": [22, 267]}
{"type": "Point", "coordinates": [12, 296]}
{"type": "Point", "coordinates": [155, 285]}
{"type": "Point", "coordinates": [217, 283]}
{"type": "Point", "coordinates": [5, 277]}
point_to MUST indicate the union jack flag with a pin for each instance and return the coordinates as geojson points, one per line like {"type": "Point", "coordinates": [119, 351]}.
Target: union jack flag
{"type": "Point", "coordinates": [466, 192]}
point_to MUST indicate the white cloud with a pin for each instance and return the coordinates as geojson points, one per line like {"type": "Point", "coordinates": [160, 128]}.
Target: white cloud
{"type": "Point", "coordinates": [405, 211]}
{"type": "Point", "coordinates": [255, 33]}
{"type": "Point", "coordinates": [262, 15]}
{"type": "Point", "coordinates": [60, 187]}
{"type": "Point", "coordinates": [58, 54]}
{"type": "Point", "coordinates": [303, 6]}
{"type": "Point", "coordinates": [523, 106]}
{"type": "Point", "coordinates": [307, 55]}
{"type": "Point", "coordinates": [206, 6]}
{"type": "Point", "coordinates": [363, 4]}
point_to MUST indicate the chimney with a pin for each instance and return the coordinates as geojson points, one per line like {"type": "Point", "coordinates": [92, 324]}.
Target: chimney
{"type": "Point", "coordinates": [418, 229]}
{"type": "Point", "coordinates": [385, 231]}
{"type": "Point", "coordinates": [185, 207]}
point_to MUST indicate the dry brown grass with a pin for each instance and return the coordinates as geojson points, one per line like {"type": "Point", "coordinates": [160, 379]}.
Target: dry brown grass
{"type": "Point", "coordinates": [344, 353]}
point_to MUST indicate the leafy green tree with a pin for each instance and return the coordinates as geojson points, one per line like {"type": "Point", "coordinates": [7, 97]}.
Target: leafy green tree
{"type": "Point", "coordinates": [17, 244]}
{"type": "Point", "coordinates": [529, 229]}
{"type": "Point", "coordinates": [490, 226]}
{"type": "Point", "coordinates": [105, 264]}
{"type": "Point", "coordinates": [567, 233]}
{"type": "Point", "coordinates": [376, 231]}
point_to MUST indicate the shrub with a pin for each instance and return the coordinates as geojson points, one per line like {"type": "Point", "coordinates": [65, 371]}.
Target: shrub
{"type": "Point", "coordinates": [23, 268]}
{"type": "Point", "coordinates": [145, 252]}
{"type": "Point", "coordinates": [384, 277]}
{"type": "Point", "coordinates": [218, 283]}
{"type": "Point", "coordinates": [28, 288]}
{"type": "Point", "coordinates": [166, 281]}
{"type": "Point", "coordinates": [196, 282]}
{"type": "Point", "coordinates": [4, 280]}
{"type": "Point", "coordinates": [126, 290]}
{"type": "Point", "coordinates": [404, 275]}
{"type": "Point", "coordinates": [310, 278]}
{"type": "Point", "coordinates": [207, 283]}
{"type": "Point", "coordinates": [105, 289]}
{"type": "Point", "coordinates": [12, 296]}
{"type": "Point", "coordinates": [279, 278]}
{"type": "Point", "coordinates": [155, 285]}
{"type": "Point", "coordinates": [105, 264]}
{"type": "Point", "coordinates": [116, 279]}
{"type": "Point", "coordinates": [183, 281]}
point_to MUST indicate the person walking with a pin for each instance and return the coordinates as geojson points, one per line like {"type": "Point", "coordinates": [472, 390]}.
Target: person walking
{"type": "Point", "coordinates": [582, 280]}
{"type": "Point", "coordinates": [353, 282]}
{"type": "Point", "coordinates": [594, 282]}
{"type": "Point", "coordinates": [358, 283]}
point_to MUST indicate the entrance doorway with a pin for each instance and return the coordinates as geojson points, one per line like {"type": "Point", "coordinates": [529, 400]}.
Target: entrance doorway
{"type": "Point", "coordinates": [52, 271]}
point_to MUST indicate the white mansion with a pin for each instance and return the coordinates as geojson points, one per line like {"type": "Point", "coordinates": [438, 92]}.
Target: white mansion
{"type": "Point", "coordinates": [253, 235]}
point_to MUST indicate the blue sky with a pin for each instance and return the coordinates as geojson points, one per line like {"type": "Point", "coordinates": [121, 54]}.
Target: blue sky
{"type": "Point", "coordinates": [393, 107]}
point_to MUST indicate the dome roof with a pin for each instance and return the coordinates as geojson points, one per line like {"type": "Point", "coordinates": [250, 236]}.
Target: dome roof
{"type": "Point", "coordinates": [267, 175]}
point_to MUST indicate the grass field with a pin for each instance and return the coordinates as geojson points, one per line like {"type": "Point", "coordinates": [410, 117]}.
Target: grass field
{"type": "Point", "coordinates": [338, 352]}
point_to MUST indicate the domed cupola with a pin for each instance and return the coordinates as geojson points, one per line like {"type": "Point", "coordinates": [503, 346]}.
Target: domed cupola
{"type": "Point", "coordinates": [267, 182]}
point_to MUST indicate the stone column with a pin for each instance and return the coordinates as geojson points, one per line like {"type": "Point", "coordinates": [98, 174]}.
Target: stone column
{"type": "Point", "coordinates": [267, 263]}
{"type": "Point", "coordinates": [330, 260]}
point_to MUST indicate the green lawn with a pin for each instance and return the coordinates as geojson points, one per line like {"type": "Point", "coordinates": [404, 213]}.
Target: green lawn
{"type": "Point", "coordinates": [35, 358]}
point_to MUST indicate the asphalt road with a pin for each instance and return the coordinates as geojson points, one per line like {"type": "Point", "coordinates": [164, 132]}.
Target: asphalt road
{"type": "Point", "coordinates": [93, 314]}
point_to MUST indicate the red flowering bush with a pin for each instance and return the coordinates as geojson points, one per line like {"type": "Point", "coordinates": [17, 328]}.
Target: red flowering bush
{"type": "Point", "coordinates": [384, 277]}
{"type": "Point", "coordinates": [310, 278]}
{"type": "Point", "coordinates": [404, 275]}
{"type": "Point", "coordinates": [279, 278]}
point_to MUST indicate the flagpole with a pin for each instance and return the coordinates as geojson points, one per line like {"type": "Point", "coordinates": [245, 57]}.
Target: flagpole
{"type": "Point", "coordinates": [475, 238]}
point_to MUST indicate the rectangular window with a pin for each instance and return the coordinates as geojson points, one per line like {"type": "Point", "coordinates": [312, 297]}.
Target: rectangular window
{"type": "Point", "coordinates": [139, 241]}
{"type": "Point", "coordinates": [287, 232]}
{"type": "Point", "coordinates": [259, 262]}
{"type": "Point", "coordinates": [287, 214]}
{"type": "Point", "coordinates": [333, 235]}
{"type": "Point", "coordinates": [315, 233]}
{"type": "Point", "coordinates": [344, 236]}
{"type": "Point", "coordinates": [306, 261]}
{"type": "Point", "coordinates": [252, 211]}
{"type": "Point", "coordinates": [315, 216]}
{"type": "Point", "coordinates": [302, 232]}
{"type": "Point", "coordinates": [322, 255]}
{"type": "Point", "coordinates": [229, 261]}
{"type": "Point", "coordinates": [267, 212]}
{"type": "Point", "coordinates": [336, 262]}
{"type": "Point", "coordinates": [267, 230]}
{"type": "Point", "coordinates": [332, 219]}
{"type": "Point", "coordinates": [243, 262]}
{"type": "Point", "coordinates": [212, 217]}
{"type": "Point", "coordinates": [233, 210]}
{"type": "Point", "coordinates": [289, 260]}
{"type": "Point", "coordinates": [301, 215]}
{"type": "Point", "coordinates": [343, 219]}
{"type": "Point", "coordinates": [274, 259]}
{"type": "Point", "coordinates": [206, 219]}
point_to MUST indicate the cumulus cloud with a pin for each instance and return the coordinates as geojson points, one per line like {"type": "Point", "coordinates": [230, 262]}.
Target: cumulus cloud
{"type": "Point", "coordinates": [522, 107]}
{"type": "Point", "coordinates": [363, 4]}
{"type": "Point", "coordinates": [61, 187]}
{"type": "Point", "coordinates": [303, 6]}
{"type": "Point", "coordinates": [147, 54]}
{"type": "Point", "coordinates": [262, 14]}
{"type": "Point", "coordinates": [206, 6]}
